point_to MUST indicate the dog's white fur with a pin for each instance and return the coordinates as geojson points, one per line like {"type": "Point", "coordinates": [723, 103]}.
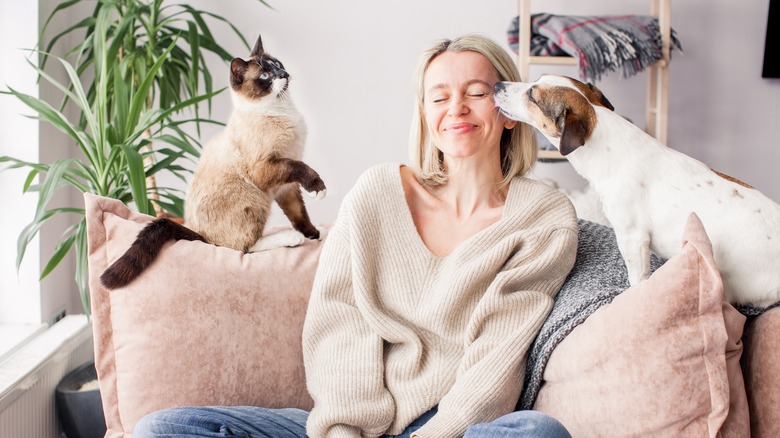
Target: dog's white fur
{"type": "Point", "coordinates": [648, 190]}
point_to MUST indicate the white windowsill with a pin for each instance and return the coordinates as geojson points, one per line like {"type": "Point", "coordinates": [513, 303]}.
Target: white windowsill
{"type": "Point", "coordinates": [18, 370]}
{"type": "Point", "coordinates": [15, 336]}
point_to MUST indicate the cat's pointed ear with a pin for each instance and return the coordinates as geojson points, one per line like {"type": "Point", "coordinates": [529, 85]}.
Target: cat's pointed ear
{"type": "Point", "coordinates": [258, 50]}
{"type": "Point", "coordinates": [238, 68]}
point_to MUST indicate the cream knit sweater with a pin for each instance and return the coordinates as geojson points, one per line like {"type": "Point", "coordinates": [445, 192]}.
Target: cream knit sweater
{"type": "Point", "coordinates": [393, 330]}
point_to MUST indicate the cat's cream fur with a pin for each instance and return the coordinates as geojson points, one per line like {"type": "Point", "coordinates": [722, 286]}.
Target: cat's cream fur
{"type": "Point", "coordinates": [254, 161]}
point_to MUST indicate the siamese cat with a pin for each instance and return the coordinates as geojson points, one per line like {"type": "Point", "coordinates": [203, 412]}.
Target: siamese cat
{"type": "Point", "coordinates": [254, 160]}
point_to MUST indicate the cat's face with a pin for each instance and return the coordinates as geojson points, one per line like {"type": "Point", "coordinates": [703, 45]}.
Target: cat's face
{"type": "Point", "coordinates": [259, 76]}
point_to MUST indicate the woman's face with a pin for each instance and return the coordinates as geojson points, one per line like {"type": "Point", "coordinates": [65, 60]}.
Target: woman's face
{"type": "Point", "coordinates": [459, 109]}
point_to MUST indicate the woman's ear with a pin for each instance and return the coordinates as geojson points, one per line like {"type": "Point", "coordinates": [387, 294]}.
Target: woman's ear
{"type": "Point", "coordinates": [509, 123]}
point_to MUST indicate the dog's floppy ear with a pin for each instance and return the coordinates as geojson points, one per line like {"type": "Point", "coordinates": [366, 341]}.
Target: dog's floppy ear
{"type": "Point", "coordinates": [572, 113]}
{"type": "Point", "coordinates": [575, 128]}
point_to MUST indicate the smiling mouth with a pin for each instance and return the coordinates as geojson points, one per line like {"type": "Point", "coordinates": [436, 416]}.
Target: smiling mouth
{"type": "Point", "coordinates": [460, 127]}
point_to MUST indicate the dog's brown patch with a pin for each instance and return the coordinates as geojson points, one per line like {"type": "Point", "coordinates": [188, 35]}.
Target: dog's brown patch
{"type": "Point", "coordinates": [569, 112]}
{"type": "Point", "coordinates": [593, 94]}
{"type": "Point", "coordinates": [732, 179]}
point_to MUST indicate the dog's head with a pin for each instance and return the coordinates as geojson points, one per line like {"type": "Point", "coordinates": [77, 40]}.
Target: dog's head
{"type": "Point", "coordinates": [560, 107]}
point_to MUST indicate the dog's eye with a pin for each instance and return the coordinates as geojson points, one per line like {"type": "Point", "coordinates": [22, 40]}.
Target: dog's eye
{"type": "Point", "coordinates": [531, 95]}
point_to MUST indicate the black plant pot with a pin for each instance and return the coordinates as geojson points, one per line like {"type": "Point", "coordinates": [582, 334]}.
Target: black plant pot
{"type": "Point", "coordinates": [80, 412]}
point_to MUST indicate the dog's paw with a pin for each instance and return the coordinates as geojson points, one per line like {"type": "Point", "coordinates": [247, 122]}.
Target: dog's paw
{"type": "Point", "coordinates": [318, 194]}
{"type": "Point", "coordinates": [286, 238]}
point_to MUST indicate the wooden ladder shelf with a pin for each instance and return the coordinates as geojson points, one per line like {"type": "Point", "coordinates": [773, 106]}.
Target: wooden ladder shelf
{"type": "Point", "coordinates": [657, 106]}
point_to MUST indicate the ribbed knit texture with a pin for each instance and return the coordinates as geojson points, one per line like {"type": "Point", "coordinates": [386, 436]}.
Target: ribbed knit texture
{"type": "Point", "coordinates": [598, 276]}
{"type": "Point", "coordinates": [393, 330]}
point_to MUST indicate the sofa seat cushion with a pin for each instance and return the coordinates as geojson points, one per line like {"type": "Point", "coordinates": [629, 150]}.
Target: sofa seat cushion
{"type": "Point", "coordinates": [762, 373]}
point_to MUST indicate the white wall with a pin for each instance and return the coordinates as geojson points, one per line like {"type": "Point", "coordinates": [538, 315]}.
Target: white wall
{"type": "Point", "coordinates": [19, 293]}
{"type": "Point", "coordinates": [23, 299]}
{"type": "Point", "coordinates": [352, 64]}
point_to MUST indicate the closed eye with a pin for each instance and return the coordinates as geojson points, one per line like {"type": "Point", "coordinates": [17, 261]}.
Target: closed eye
{"type": "Point", "coordinates": [531, 96]}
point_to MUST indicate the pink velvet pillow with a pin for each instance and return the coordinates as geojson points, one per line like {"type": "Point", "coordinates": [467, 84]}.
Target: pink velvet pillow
{"type": "Point", "coordinates": [203, 325]}
{"type": "Point", "coordinates": [661, 360]}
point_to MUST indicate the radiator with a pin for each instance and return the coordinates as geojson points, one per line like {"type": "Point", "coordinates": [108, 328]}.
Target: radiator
{"type": "Point", "coordinates": [29, 377]}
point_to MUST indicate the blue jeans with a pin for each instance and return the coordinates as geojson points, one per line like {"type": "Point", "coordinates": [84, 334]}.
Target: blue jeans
{"type": "Point", "coordinates": [254, 422]}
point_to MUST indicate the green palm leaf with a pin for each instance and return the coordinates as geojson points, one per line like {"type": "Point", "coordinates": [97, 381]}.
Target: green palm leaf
{"type": "Point", "coordinates": [135, 73]}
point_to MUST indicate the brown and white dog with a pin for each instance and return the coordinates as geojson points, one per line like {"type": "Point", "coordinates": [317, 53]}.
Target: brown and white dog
{"type": "Point", "coordinates": [648, 189]}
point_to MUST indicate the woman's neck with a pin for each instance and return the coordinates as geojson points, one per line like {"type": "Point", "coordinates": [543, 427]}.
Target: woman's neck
{"type": "Point", "coordinates": [471, 188]}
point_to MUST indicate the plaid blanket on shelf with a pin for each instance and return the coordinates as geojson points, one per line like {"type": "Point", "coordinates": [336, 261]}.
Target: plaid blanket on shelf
{"type": "Point", "coordinates": [600, 44]}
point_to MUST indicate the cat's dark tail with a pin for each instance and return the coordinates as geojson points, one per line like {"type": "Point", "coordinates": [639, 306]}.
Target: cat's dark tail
{"type": "Point", "coordinates": [144, 251]}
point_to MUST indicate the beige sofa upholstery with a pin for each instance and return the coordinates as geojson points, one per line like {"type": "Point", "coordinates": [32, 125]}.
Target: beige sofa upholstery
{"type": "Point", "coordinates": [212, 326]}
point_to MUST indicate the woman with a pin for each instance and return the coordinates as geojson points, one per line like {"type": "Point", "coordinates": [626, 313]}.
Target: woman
{"type": "Point", "coordinates": [434, 281]}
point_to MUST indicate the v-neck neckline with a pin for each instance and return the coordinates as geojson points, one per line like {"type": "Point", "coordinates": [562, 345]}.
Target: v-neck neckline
{"type": "Point", "coordinates": [411, 228]}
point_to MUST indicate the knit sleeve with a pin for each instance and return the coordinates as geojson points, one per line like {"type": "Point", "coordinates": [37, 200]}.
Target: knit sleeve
{"type": "Point", "coordinates": [500, 331]}
{"type": "Point", "coordinates": [342, 356]}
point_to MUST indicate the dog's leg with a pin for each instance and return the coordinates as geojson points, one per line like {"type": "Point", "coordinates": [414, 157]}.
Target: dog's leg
{"type": "Point", "coordinates": [635, 247]}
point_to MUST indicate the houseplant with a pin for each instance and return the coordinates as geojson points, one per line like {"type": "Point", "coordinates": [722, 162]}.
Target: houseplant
{"type": "Point", "coordinates": [136, 80]}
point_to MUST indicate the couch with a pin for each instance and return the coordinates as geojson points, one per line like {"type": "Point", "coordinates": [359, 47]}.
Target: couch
{"type": "Point", "coordinates": [206, 325]}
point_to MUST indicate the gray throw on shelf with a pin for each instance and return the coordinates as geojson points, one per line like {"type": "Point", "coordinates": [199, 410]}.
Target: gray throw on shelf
{"type": "Point", "coordinates": [628, 43]}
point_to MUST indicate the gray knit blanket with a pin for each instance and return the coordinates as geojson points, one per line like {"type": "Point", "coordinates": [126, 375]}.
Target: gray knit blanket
{"type": "Point", "coordinates": [629, 43]}
{"type": "Point", "coordinates": [598, 276]}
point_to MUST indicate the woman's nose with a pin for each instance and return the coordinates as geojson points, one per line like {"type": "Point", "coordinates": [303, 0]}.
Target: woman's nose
{"type": "Point", "coordinates": [457, 106]}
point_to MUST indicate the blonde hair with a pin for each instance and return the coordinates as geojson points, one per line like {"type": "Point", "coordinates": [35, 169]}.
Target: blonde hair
{"type": "Point", "coordinates": [518, 145]}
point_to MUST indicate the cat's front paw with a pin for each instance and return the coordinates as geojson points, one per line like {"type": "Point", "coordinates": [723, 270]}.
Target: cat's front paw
{"type": "Point", "coordinates": [314, 187]}
{"type": "Point", "coordinates": [317, 195]}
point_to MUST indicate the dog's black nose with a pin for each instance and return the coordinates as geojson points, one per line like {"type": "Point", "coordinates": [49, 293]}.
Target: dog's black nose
{"type": "Point", "coordinates": [500, 86]}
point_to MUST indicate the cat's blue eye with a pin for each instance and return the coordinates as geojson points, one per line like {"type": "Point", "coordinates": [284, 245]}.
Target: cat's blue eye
{"type": "Point", "coordinates": [264, 76]}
